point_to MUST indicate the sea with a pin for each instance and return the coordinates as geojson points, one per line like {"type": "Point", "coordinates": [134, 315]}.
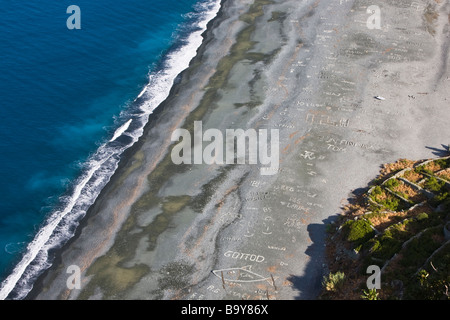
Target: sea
{"type": "Point", "coordinates": [72, 100]}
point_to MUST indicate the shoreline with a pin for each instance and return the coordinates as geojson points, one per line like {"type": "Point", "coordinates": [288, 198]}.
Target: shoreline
{"type": "Point", "coordinates": [126, 157]}
{"type": "Point", "coordinates": [162, 241]}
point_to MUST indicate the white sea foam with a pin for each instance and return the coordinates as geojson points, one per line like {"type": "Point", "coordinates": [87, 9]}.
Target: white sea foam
{"type": "Point", "coordinates": [121, 130]}
{"type": "Point", "coordinates": [61, 224]}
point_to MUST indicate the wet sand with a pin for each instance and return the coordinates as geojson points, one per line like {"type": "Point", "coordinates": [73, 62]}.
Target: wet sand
{"type": "Point", "coordinates": [310, 69]}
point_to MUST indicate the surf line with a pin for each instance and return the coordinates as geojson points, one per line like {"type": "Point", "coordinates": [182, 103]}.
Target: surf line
{"type": "Point", "coordinates": [121, 130]}
{"type": "Point", "coordinates": [235, 139]}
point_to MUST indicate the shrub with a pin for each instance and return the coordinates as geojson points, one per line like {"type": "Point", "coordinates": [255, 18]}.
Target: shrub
{"type": "Point", "coordinates": [432, 282]}
{"type": "Point", "coordinates": [421, 169]}
{"type": "Point", "coordinates": [443, 163]}
{"type": "Point", "coordinates": [434, 185]}
{"type": "Point", "coordinates": [377, 191]}
{"type": "Point", "coordinates": [334, 281]}
{"type": "Point", "coordinates": [370, 294]}
{"type": "Point", "coordinates": [441, 198]}
{"type": "Point", "coordinates": [391, 203]}
{"type": "Point", "coordinates": [385, 247]}
{"type": "Point", "coordinates": [358, 231]}
{"type": "Point", "coordinates": [392, 183]}
{"type": "Point", "coordinates": [390, 242]}
{"type": "Point", "coordinates": [388, 201]}
{"type": "Point", "coordinates": [419, 249]}
{"type": "Point", "coordinates": [422, 216]}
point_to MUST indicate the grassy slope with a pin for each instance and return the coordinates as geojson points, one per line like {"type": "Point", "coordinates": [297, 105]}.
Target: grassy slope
{"type": "Point", "coordinates": [399, 227]}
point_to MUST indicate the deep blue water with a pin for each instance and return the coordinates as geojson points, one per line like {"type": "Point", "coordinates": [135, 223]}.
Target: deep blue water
{"type": "Point", "coordinates": [64, 92]}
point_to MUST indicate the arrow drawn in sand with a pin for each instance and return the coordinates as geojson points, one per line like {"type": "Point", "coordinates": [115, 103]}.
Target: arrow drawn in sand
{"type": "Point", "coordinates": [243, 274]}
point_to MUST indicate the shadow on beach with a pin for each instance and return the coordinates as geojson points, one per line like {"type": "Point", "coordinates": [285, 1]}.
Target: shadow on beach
{"type": "Point", "coordinates": [309, 285]}
{"type": "Point", "coordinates": [444, 151]}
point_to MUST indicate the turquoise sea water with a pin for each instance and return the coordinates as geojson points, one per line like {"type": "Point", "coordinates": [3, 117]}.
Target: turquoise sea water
{"type": "Point", "coordinates": [71, 102]}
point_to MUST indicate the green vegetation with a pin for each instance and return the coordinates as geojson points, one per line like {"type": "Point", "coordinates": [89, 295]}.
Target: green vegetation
{"type": "Point", "coordinates": [390, 242]}
{"type": "Point", "coordinates": [443, 198]}
{"type": "Point", "coordinates": [432, 282]}
{"type": "Point", "coordinates": [370, 294]}
{"type": "Point", "coordinates": [392, 183]}
{"type": "Point", "coordinates": [434, 166]}
{"type": "Point", "coordinates": [409, 246]}
{"type": "Point", "coordinates": [420, 248]}
{"type": "Point", "coordinates": [358, 231]}
{"type": "Point", "coordinates": [386, 246]}
{"type": "Point", "coordinates": [434, 185]}
{"type": "Point", "coordinates": [443, 163]}
{"type": "Point", "coordinates": [422, 169]}
{"type": "Point", "coordinates": [385, 199]}
{"type": "Point", "coordinates": [441, 191]}
{"type": "Point", "coordinates": [334, 281]}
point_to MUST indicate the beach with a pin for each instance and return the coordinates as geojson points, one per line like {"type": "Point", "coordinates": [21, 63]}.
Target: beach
{"type": "Point", "coordinates": [344, 96]}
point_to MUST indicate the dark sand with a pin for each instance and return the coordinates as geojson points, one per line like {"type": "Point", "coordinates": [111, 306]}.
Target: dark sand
{"type": "Point", "coordinates": [311, 70]}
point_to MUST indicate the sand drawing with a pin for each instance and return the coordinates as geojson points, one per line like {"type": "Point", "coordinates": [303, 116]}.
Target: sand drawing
{"type": "Point", "coordinates": [241, 275]}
